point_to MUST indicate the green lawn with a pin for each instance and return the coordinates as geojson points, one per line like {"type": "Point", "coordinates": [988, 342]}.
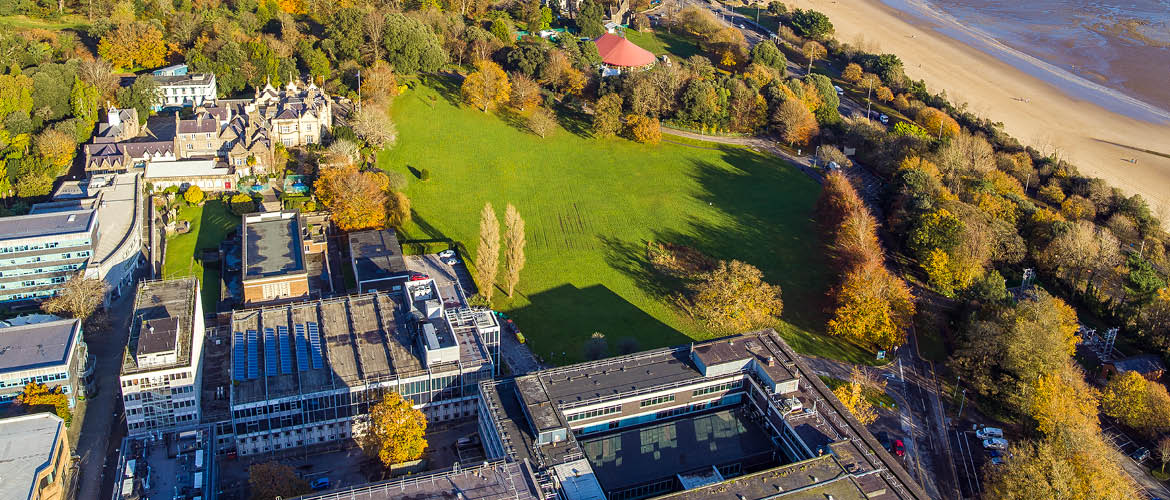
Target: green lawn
{"type": "Point", "coordinates": [68, 21]}
{"type": "Point", "coordinates": [209, 226]}
{"type": "Point", "coordinates": [591, 205]}
{"type": "Point", "coordinates": [662, 42]}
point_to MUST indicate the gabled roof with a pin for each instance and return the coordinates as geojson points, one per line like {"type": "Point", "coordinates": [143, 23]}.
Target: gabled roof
{"type": "Point", "coordinates": [618, 51]}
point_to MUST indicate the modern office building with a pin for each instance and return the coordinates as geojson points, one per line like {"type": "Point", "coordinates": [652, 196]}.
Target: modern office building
{"type": "Point", "coordinates": [273, 258]}
{"type": "Point", "coordinates": [162, 368]}
{"type": "Point", "coordinates": [302, 373]}
{"type": "Point", "coordinates": [683, 422]}
{"type": "Point", "coordinates": [52, 353]}
{"type": "Point", "coordinates": [39, 252]}
{"type": "Point", "coordinates": [35, 461]}
{"type": "Point", "coordinates": [377, 260]}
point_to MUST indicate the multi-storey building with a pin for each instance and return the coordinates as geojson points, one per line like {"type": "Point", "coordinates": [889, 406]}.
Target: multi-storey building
{"type": "Point", "coordinates": [273, 258]}
{"type": "Point", "coordinates": [40, 251]}
{"type": "Point", "coordinates": [52, 353]}
{"type": "Point", "coordinates": [179, 89]}
{"type": "Point", "coordinates": [162, 369]}
{"type": "Point", "coordinates": [35, 461]}
{"type": "Point", "coordinates": [302, 373]}
{"type": "Point", "coordinates": [688, 420]}
{"type": "Point", "coordinates": [299, 114]}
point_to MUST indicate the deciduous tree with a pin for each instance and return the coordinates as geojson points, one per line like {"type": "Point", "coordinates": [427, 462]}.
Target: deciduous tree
{"type": "Point", "coordinates": [394, 431]}
{"type": "Point", "coordinates": [794, 122]}
{"type": "Point", "coordinates": [487, 87]}
{"type": "Point", "coordinates": [487, 256]}
{"type": "Point", "coordinates": [193, 195]}
{"type": "Point", "coordinates": [852, 73]}
{"type": "Point", "coordinates": [643, 129]}
{"type": "Point", "coordinates": [812, 52]}
{"type": "Point", "coordinates": [542, 122]}
{"type": "Point", "coordinates": [525, 92]}
{"type": "Point", "coordinates": [135, 44]}
{"type": "Point", "coordinates": [734, 297]}
{"type": "Point", "coordinates": [397, 209]}
{"type": "Point", "coordinates": [514, 242]}
{"type": "Point", "coordinates": [373, 123]}
{"type": "Point", "coordinates": [356, 199]}
{"type": "Point", "coordinates": [270, 480]}
{"type": "Point", "coordinates": [38, 397]}
{"type": "Point", "coordinates": [78, 298]}
{"type": "Point", "coordinates": [607, 115]}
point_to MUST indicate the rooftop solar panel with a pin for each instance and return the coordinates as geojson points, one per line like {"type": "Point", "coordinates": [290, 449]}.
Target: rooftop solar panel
{"type": "Point", "coordinates": [285, 350]}
{"type": "Point", "coordinates": [315, 343]}
{"type": "Point", "coordinates": [302, 347]}
{"type": "Point", "coordinates": [253, 355]}
{"type": "Point", "coordinates": [271, 368]}
{"type": "Point", "coordinates": [239, 356]}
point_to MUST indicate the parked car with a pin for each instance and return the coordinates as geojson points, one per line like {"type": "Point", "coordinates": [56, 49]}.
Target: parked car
{"type": "Point", "coordinates": [451, 262]}
{"type": "Point", "coordinates": [840, 91]}
{"type": "Point", "coordinates": [1140, 454]}
{"type": "Point", "coordinates": [447, 254]}
{"type": "Point", "coordinates": [884, 119]}
{"type": "Point", "coordinates": [899, 448]}
{"type": "Point", "coordinates": [989, 432]}
{"type": "Point", "coordinates": [996, 460]}
{"type": "Point", "coordinates": [891, 444]}
{"type": "Point", "coordinates": [995, 444]}
{"type": "Point", "coordinates": [320, 483]}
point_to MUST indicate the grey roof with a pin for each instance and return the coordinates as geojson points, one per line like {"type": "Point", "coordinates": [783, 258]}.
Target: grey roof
{"type": "Point", "coordinates": [490, 481]}
{"type": "Point", "coordinates": [47, 224]}
{"type": "Point", "coordinates": [199, 124]}
{"type": "Point", "coordinates": [38, 345]}
{"type": "Point", "coordinates": [158, 335]}
{"type": "Point", "coordinates": [156, 300]}
{"type": "Point", "coordinates": [376, 255]}
{"type": "Point", "coordinates": [1145, 363]}
{"type": "Point", "coordinates": [188, 79]}
{"type": "Point", "coordinates": [272, 246]}
{"type": "Point", "coordinates": [27, 443]}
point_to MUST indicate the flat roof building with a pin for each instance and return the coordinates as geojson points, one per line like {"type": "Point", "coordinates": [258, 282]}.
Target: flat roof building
{"type": "Point", "coordinates": [273, 258]}
{"type": "Point", "coordinates": [178, 89]}
{"type": "Point", "coordinates": [301, 373]}
{"type": "Point", "coordinates": [40, 252]}
{"type": "Point", "coordinates": [180, 465]}
{"type": "Point", "coordinates": [52, 353]}
{"type": "Point", "coordinates": [162, 367]}
{"type": "Point", "coordinates": [377, 260]}
{"type": "Point", "coordinates": [35, 461]}
{"type": "Point", "coordinates": [748, 402]}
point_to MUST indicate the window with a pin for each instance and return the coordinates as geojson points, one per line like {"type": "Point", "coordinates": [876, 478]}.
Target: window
{"type": "Point", "coordinates": [610, 410]}
{"type": "Point", "coordinates": [656, 401]}
{"type": "Point", "coordinates": [735, 384]}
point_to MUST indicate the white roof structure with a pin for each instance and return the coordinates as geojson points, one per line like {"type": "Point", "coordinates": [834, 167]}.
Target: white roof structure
{"type": "Point", "coordinates": [185, 168]}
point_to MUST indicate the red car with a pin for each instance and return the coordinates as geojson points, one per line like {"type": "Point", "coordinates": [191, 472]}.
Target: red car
{"type": "Point", "coordinates": [898, 449]}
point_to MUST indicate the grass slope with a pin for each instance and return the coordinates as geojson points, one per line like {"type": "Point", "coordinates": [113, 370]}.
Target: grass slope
{"type": "Point", "coordinates": [209, 226]}
{"type": "Point", "coordinates": [663, 42]}
{"type": "Point", "coordinates": [592, 204]}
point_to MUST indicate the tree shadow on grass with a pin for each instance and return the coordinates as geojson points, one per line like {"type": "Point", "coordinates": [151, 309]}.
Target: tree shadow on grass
{"type": "Point", "coordinates": [630, 258]}
{"type": "Point", "coordinates": [575, 121]}
{"type": "Point", "coordinates": [513, 119]}
{"type": "Point", "coordinates": [558, 322]}
{"type": "Point", "coordinates": [446, 86]}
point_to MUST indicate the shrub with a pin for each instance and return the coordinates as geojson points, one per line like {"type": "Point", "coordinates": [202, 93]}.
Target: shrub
{"type": "Point", "coordinates": [241, 204]}
{"type": "Point", "coordinates": [193, 195]}
{"type": "Point", "coordinates": [425, 175]}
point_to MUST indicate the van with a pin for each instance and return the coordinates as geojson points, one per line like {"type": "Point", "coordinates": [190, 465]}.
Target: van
{"type": "Point", "coordinates": [989, 432]}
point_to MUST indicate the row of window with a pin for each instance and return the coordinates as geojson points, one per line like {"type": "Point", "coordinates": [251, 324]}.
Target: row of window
{"type": "Point", "coordinates": [205, 90]}
{"type": "Point", "coordinates": [157, 424]}
{"type": "Point", "coordinates": [154, 380]}
{"type": "Point", "coordinates": [656, 400]}
{"type": "Point", "coordinates": [28, 295]}
{"type": "Point", "coordinates": [46, 258]}
{"type": "Point", "coordinates": [52, 269]}
{"type": "Point", "coordinates": [39, 379]}
{"type": "Point", "coordinates": [31, 283]}
{"type": "Point", "coordinates": [735, 384]}
{"type": "Point", "coordinates": [609, 410]}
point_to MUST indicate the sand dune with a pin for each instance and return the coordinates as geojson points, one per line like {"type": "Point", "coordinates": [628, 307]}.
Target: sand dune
{"type": "Point", "coordinates": [1099, 141]}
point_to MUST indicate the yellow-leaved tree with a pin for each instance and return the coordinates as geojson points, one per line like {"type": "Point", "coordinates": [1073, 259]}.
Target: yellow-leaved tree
{"type": "Point", "coordinates": [394, 431]}
{"type": "Point", "coordinates": [487, 87]}
{"type": "Point", "coordinates": [36, 396]}
{"type": "Point", "coordinates": [874, 307]}
{"type": "Point", "coordinates": [852, 395]}
{"type": "Point", "coordinates": [356, 199]}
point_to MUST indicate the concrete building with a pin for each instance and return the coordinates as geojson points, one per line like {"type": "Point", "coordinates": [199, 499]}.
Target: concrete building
{"type": "Point", "coordinates": [273, 258]}
{"type": "Point", "coordinates": [303, 373]}
{"type": "Point", "coordinates": [494, 480]}
{"type": "Point", "coordinates": [181, 465]}
{"type": "Point", "coordinates": [40, 251]}
{"type": "Point", "coordinates": [118, 250]}
{"type": "Point", "coordinates": [162, 369]}
{"type": "Point", "coordinates": [749, 403]}
{"type": "Point", "coordinates": [35, 461]}
{"type": "Point", "coordinates": [377, 260]}
{"type": "Point", "coordinates": [179, 89]}
{"type": "Point", "coordinates": [52, 353]}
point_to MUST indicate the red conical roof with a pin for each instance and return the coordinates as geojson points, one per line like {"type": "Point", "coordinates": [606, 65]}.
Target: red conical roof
{"type": "Point", "coordinates": [617, 51]}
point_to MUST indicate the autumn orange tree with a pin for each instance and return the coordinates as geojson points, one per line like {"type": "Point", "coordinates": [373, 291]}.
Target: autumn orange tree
{"type": "Point", "coordinates": [38, 397]}
{"type": "Point", "coordinates": [356, 199]}
{"type": "Point", "coordinates": [643, 129]}
{"type": "Point", "coordinates": [487, 87]}
{"type": "Point", "coordinates": [134, 44]}
{"type": "Point", "coordinates": [734, 297]}
{"type": "Point", "coordinates": [394, 431]}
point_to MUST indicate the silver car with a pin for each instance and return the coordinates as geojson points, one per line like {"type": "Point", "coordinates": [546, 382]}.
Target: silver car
{"type": "Point", "coordinates": [995, 444]}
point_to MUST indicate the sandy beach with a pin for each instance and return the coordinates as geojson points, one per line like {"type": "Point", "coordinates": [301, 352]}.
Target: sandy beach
{"type": "Point", "coordinates": [1068, 118]}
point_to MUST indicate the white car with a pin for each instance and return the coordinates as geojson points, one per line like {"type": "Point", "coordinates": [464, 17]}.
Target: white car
{"type": "Point", "coordinates": [840, 91]}
{"type": "Point", "coordinates": [995, 444]}
{"type": "Point", "coordinates": [447, 254]}
{"type": "Point", "coordinates": [989, 432]}
{"type": "Point", "coordinates": [451, 261]}
{"type": "Point", "coordinates": [884, 119]}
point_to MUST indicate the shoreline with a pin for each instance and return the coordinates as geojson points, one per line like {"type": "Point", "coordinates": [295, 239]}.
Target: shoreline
{"type": "Point", "coordinates": [1098, 141]}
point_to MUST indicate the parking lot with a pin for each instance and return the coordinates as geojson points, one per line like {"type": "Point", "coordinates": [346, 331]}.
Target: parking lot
{"type": "Point", "coordinates": [969, 460]}
{"type": "Point", "coordinates": [1148, 486]}
{"type": "Point", "coordinates": [454, 281]}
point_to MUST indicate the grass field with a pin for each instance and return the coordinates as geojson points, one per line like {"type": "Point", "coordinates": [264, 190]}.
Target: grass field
{"type": "Point", "coordinates": [209, 226]}
{"type": "Point", "coordinates": [662, 42]}
{"type": "Point", "coordinates": [591, 205]}
{"type": "Point", "coordinates": [70, 22]}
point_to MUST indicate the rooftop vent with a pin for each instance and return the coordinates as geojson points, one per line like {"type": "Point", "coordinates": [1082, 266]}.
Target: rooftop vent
{"type": "Point", "coordinates": [72, 217]}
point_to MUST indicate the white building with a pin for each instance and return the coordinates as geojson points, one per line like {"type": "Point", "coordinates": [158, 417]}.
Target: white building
{"type": "Point", "coordinates": [50, 352]}
{"type": "Point", "coordinates": [162, 368]}
{"type": "Point", "coordinates": [183, 90]}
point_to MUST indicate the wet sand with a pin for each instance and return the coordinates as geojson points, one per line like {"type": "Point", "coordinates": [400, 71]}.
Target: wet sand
{"type": "Point", "coordinates": [1039, 104]}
